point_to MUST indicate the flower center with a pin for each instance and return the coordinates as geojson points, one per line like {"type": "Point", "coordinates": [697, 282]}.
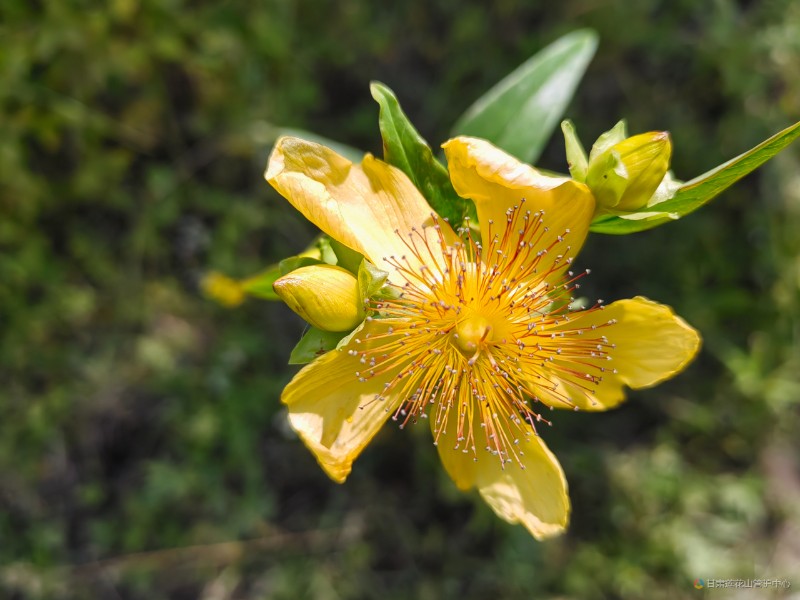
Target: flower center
{"type": "Point", "coordinates": [471, 333]}
{"type": "Point", "coordinates": [477, 331]}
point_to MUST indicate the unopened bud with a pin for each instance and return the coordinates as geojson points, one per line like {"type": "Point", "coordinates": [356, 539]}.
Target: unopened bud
{"type": "Point", "coordinates": [222, 289]}
{"type": "Point", "coordinates": [625, 175]}
{"type": "Point", "coordinates": [326, 296]}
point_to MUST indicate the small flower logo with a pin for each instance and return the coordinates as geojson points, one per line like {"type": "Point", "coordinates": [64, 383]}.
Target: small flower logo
{"type": "Point", "coordinates": [699, 584]}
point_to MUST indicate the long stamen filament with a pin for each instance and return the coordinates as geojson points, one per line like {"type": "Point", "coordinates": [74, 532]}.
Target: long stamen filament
{"type": "Point", "coordinates": [475, 332]}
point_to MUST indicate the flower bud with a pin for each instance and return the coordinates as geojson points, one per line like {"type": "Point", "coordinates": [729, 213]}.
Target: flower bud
{"type": "Point", "coordinates": [326, 296]}
{"type": "Point", "coordinates": [222, 289]}
{"type": "Point", "coordinates": [625, 175]}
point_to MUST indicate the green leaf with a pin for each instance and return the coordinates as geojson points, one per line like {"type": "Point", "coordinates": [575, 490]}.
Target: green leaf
{"type": "Point", "coordinates": [322, 250]}
{"type": "Point", "coordinates": [520, 113]}
{"type": "Point", "coordinates": [260, 285]}
{"type": "Point", "coordinates": [314, 343]}
{"type": "Point", "coordinates": [695, 193]}
{"type": "Point", "coordinates": [407, 150]}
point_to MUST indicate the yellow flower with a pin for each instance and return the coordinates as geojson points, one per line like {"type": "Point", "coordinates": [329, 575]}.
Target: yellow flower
{"type": "Point", "coordinates": [479, 335]}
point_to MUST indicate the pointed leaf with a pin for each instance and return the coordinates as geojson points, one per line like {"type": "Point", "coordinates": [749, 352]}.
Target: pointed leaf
{"type": "Point", "coordinates": [519, 113]}
{"type": "Point", "coordinates": [226, 290]}
{"type": "Point", "coordinates": [407, 150]}
{"type": "Point", "coordinates": [695, 193]}
{"type": "Point", "coordinates": [260, 285]}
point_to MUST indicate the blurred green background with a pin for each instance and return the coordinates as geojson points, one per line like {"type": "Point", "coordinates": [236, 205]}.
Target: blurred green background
{"type": "Point", "coordinates": [144, 453]}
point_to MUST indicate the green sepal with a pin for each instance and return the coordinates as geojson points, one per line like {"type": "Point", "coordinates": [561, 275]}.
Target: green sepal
{"type": "Point", "coordinates": [327, 253]}
{"type": "Point", "coordinates": [346, 257]}
{"type": "Point", "coordinates": [520, 112]}
{"type": "Point", "coordinates": [608, 139]}
{"type": "Point", "coordinates": [349, 336]}
{"type": "Point", "coordinates": [607, 177]}
{"type": "Point", "coordinates": [577, 160]}
{"type": "Point", "coordinates": [314, 343]}
{"type": "Point", "coordinates": [370, 279]}
{"type": "Point", "coordinates": [325, 249]}
{"type": "Point", "coordinates": [287, 265]}
{"type": "Point", "coordinates": [406, 149]}
{"type": "Point", "coordinates": [671, 204]}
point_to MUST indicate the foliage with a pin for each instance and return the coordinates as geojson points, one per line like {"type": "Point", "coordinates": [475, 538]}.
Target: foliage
{"type": "Point", "coordinates": [685, 198]}
{"type": "Point", "coordinates": [143, 452]}
{"type": "Point", "coordinates": [519, 113]}
{"type": "Point", "coordinates": [404, 148]}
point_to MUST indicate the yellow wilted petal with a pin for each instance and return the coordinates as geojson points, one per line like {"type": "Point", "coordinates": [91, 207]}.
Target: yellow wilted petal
{"type": "Point", "coordinates": [650, 343]}
{"type": "Point", "coordinates": [496, 182]}
{"type": "Point", "coordinates": [333, 411]}
{"type": "Point", "coordinates": [326, 296]}
{"type": "Point", "coordinates": [359, 205]}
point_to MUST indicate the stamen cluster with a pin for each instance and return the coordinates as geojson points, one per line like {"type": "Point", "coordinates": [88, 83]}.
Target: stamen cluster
{"type": "Point", "coordinates": [476, 333]}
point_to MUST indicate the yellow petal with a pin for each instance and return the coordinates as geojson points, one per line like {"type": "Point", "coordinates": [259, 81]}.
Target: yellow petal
{"type": "Point", "coordinates": [496, 181]}
{"type": "Point", "coordinates": [359, 205]}
{"type": "Point", "coordinates": [458, 464]}
{"type": "Point", "coordinates": [334, 413]}
{"type": "Point", "coordinates": [651, 344]}
{"type": "Point", "coordinates": [535, 496]}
